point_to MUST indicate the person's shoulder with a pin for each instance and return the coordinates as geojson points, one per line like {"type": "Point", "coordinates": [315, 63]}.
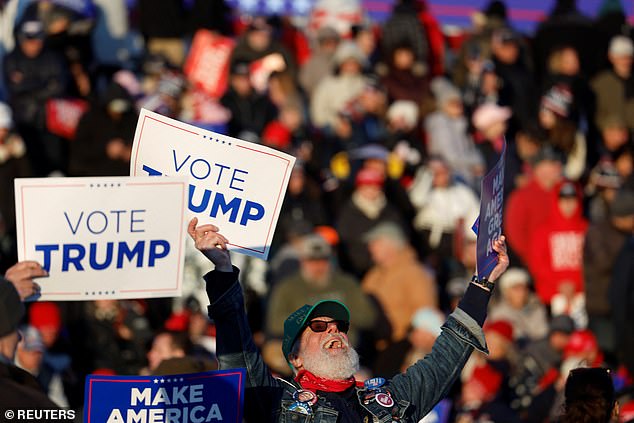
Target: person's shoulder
{"type": "Point", "coordinates": [290, 282]}
{"type": "Point", "coordinates": [327, 82]}
{"type": "Point", "coordinates": [462, 190]}
{"type": "Point", "coordinates": [344, 279]}
{"type": "Point", "coordinates": [435, 118]}
{"type": "Point", "coordinates": [603, 77]}
{"type": "Point", "coordinates": [20, 389]}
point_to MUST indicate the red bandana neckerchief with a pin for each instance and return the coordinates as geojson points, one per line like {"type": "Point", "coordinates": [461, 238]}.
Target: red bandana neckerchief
{"type": "Point", "coordinates": [309, 381]}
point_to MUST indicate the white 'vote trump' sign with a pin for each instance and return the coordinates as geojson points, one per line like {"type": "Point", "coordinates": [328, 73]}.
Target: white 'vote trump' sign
{"type": "Point", "coordinates": [236, 185]}
{"type": "Point", "coordinates": [107, 237]}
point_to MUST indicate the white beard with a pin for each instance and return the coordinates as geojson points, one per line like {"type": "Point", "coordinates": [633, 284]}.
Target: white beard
{"type": "Point", "coordinates": [338, 366]}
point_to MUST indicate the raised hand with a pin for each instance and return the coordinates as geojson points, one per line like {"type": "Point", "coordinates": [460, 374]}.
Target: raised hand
{"type": "Point", "coordinates": [499, 245]}
{"type": "Point", "coordinates": [21, 276]}
{"type": "Point", "coordinates": [211, 243]}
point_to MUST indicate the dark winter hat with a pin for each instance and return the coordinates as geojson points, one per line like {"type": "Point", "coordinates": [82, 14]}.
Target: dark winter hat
{"type": "Point", "coordinates": [11, 308]}
{"type": "Point", "coordinates": [623, 204]}
{"type": "Point", "coordinates": [609, 7]}
{"type": "Point", "coordinates": [547, 153]}
{"type": "Point", "coordinates": [562, 323]}
{"type": "Point", "coordinates": [567, 190]}
{"type": "Point", "coordinates": [295, 323]}
{"type": "Point", "coordinates": [605, 175]}
{"type": "Point", "coordinates": [495, 9]}
{"type": "Point", "coordinates": [558, 99]}
{"type": "Point", "coordinates": [32, 30]}
{"type": "Point", "coordinates": [260, 23]}
{"type": "Point", "coordinates": [506, 36]}
{"type": "Point", "coordinates": [240, 68]}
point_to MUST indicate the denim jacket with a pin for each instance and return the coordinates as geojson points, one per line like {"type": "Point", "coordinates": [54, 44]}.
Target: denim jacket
{"type": "Point", "coordinates": [267, 398]}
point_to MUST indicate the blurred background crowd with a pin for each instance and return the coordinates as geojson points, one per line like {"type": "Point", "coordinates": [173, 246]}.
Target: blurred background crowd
{"type": "Point", "coordinates": [394, 124]}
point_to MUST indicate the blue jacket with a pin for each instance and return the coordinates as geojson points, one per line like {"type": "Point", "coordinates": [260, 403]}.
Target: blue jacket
{"type": "Point", "coordinates": [416, 391]}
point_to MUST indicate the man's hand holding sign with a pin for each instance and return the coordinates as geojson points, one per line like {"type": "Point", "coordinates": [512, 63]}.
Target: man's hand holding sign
{"type": "Point", "coordinates": [212, 244]}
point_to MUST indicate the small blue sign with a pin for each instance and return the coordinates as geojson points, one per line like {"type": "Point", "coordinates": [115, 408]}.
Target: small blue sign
{"type": "Point", "coordinates": [216, 396]}
{"type": "Point", "coordinates": [488, 226]}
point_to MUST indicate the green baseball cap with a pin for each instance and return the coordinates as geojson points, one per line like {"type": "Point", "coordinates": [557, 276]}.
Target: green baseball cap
{"type": "Point", "coordinates": [295, 323]}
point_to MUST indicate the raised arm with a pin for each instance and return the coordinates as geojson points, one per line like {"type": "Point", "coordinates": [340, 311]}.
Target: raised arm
{"type": "Point", "coordinates": [427, 381]}
{"type": "Point", "coordinates": [235, 347]}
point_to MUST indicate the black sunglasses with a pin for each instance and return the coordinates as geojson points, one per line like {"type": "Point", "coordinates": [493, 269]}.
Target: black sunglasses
{"type": "Point", "coordinates": [322, 325]}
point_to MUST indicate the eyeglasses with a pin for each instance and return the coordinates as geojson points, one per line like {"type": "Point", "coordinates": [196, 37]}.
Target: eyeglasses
{"type": "Point", "coordinates": [322, 325]}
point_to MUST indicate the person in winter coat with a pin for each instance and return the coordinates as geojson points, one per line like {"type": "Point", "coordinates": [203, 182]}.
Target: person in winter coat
{"type": "Point", "coordinates": [397, 280]}
{"type": "Point", "coordinates": [103, 142]}
{"type": "Point", "coordinates": [13, 164]}
{"type": "Point", "coordinates": [403, 26]}
{"type": "Point", "coordinates": [556, 249]}
{"type": "Point", "coordinates": [611, 85]}
{"type": "Point", "coordinates": [19, 389]}
{"type": "Point", "coordinates": [441, 202]}
{"type": "Point", "coordinates": [520, 307]}
{"type": "Point", "coordinates": [320, 63]}
{"type": "Point", "coordinates": [258, 42]}
{"type": "Point", "coordinates": [400, 76]}
{"type": "Point", "coordinates": [562, 130]}
{"type": "Point", "coordinates": [518, 89]}
{"type": "Point", "coordinates": [335, 91]}
{"type": "Point", "coordinates": [366, 208]}
{"type": "Point", "coordinates": [566, 25]}
{"type": "Point", "coordinates": [250, 111]}
{"type": "Point", "coordinates": [621, 292]}
{"type": "Point", "coordinates": [447, 134]}
{"type": "Point", "coordinates": [35, 74]}
{"type": "Point", "coordinates": [604, 240]}
{"type": "Point", "coordinates": [525, 210]}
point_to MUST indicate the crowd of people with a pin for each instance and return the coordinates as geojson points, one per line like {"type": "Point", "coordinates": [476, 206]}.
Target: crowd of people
{"type": "Point", "coordinates": [393, 125]}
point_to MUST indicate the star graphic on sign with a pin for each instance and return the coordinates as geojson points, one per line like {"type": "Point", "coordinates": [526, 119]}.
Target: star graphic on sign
{"type": "Point", "coordinates": [155, 380]}
{"type": "Point", "coordinates": [301, 7]}
{"type": "Point", "coordinates": [249, 5]}
{"type": "Point", "coordinates": [182, 379]}
{"type": "Point", "coordinates": [162, 380]}
{"type": "Point", "coordinates": [275, 6]}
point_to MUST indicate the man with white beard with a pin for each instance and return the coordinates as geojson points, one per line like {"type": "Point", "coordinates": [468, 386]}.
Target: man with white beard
{"type": "Point", "coordinates": [316, 347]}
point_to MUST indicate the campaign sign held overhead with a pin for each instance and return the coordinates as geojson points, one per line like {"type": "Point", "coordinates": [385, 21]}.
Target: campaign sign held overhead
{"type": "Point", "coordinates": [216, 396]}
{"type": "Point", "coordinates": [236, 185]}
{"type": "Point", "coordinates": [488, 226]}
{"type": "Point", "coordinates": [207, 65]}
{"type": "Point", "coordinates": [103, 238]}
